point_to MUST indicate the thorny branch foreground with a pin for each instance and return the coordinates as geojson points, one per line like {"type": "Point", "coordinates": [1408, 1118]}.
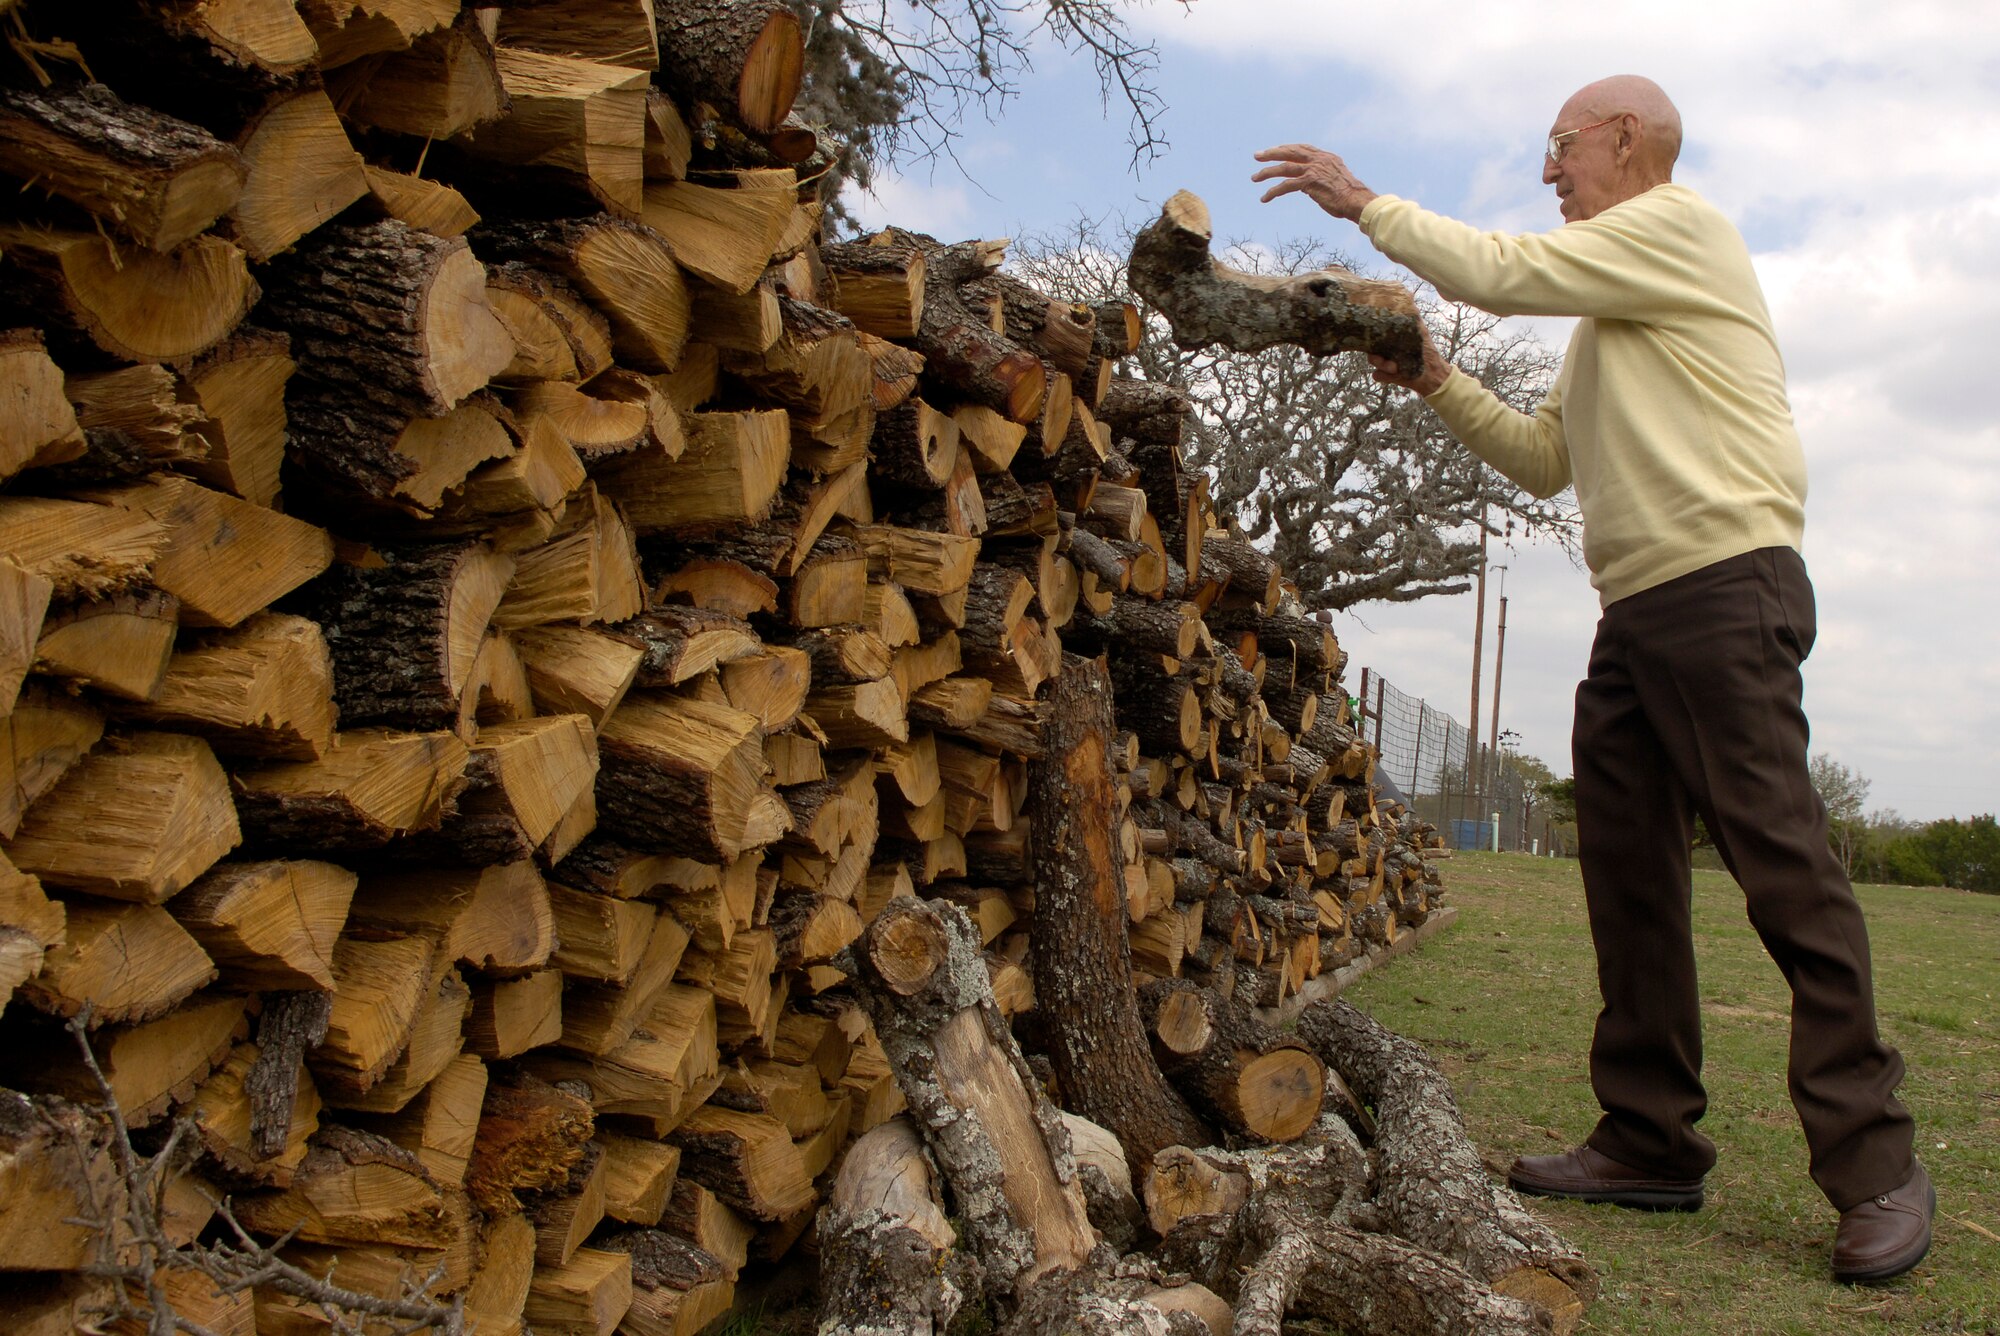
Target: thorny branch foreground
{"type": "Point", "coordinates": [149, 1272]}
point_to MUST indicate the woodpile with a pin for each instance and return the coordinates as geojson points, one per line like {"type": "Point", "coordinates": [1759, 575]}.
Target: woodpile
{"type": "Point", "coordinates": [512, 645]}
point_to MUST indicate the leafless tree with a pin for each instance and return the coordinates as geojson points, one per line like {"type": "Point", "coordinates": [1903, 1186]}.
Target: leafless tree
{"type": "Point", "coordinates": [1356, 488]}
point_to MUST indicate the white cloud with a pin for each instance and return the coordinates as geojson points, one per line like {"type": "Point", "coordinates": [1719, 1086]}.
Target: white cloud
{"type": "Point", "coordinates": [942, 210]}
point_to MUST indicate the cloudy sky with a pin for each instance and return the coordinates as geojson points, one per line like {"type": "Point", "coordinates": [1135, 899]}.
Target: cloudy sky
{"type": "Point", "coordinates": [1855, 144]}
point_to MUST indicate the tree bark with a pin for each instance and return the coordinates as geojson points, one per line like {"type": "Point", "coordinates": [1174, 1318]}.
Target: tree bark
{"type": "Point", "coordinates": [1083, 962]}
{"type": "Point", "coordinates": [745, 56]}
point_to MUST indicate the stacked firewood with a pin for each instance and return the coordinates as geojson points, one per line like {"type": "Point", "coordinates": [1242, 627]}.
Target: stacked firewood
{"type": "Point", "coordinates": [493, 606]}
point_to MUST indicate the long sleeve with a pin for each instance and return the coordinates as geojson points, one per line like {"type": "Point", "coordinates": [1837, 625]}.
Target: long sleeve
{"type": "Point", "coordinates": [1529, 449]}
{"type": "Point", "coordinates": [1635, 261]}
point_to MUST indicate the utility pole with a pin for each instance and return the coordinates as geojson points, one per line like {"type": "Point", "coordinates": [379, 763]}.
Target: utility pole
{"type": "Point", "coordinates": [1478, 654]}
{"type": "Point", "coordinates": [1499, 660]}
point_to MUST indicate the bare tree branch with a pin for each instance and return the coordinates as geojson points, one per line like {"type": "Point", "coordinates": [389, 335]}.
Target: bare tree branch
{"type": "Point", "coordinates": [134, 1249]}
{"type": "Point", "coordinates": [895, 79]}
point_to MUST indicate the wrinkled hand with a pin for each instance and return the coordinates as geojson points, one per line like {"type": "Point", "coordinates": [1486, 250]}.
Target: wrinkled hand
{"type": "Point", "coordinates": [1323, 177]}
{"type": "Point", "coordinates": [1427, 379]}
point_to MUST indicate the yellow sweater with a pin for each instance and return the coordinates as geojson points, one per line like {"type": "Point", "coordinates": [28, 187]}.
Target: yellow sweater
{"type": "Point", "coordinates": [1669, 414]}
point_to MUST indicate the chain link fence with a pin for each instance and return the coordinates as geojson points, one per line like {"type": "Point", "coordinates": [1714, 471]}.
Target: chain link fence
{"type": "Point", "coordinates": [1475, 795]}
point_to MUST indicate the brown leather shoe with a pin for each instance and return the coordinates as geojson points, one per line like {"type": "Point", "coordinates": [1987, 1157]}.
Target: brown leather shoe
{"type": "Point", "coordinates": [1586, 1175]}
{"type": "Point", "coordinates": [1885, 1236]}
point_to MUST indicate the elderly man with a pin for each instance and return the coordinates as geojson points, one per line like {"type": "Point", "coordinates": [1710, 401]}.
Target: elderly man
{"type": "Point", "coordinates": [1670, 417]}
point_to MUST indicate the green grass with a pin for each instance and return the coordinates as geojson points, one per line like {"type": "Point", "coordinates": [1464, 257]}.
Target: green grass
{"type": "Point", "coordinates": [1505, 1001]}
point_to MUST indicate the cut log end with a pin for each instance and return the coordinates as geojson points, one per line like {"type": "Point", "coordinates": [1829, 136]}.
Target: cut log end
{"type": "Point", "coordinates": [906, 950]}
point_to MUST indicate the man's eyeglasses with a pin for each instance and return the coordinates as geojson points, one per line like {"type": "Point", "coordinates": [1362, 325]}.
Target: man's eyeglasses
{"type": "Point", "coordinates": [1559, 144]}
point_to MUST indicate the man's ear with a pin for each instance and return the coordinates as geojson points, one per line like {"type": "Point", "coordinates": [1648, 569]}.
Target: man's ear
{"type": "Point", "coordinates": [1627, 146]}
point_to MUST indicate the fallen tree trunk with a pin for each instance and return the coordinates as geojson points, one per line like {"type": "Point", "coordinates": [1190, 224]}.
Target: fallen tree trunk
{"type": "Point", "coordinates": [1208, 303]}
{"type": "Point", "coordinates": [999, 1142]}
{"type": "Point", "coordinates": [1432, 1187]}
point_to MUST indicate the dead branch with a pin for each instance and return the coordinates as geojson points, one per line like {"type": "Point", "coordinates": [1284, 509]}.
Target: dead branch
{"type": "Point", "coordinates": [1332, 311]}
{"type": "Point", "coordinates": [134, 1250]}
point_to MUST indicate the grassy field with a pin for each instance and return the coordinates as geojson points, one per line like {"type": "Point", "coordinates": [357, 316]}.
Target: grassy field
{"type": "Point", "coordinates": [1505, 1000]}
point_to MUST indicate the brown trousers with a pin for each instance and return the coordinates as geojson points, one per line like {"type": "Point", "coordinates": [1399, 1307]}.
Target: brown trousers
{"type": "Point", "coordinates": [1693, 705]}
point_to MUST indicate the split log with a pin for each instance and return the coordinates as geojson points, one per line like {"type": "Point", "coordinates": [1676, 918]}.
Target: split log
{"type": "Point", "coordinates": [149, 1067]}
{"type": "Point", "coordinates": [137, 821]}
{"type": "Point", "coordinates": [222, 557]}
{"type": "Point", "coordinates": [619, 33]}
{"type": "Point", "coordinates": [439, 1125]}
{"type": "Point", "coordinates": [354, 1188]}
{"type": "Point", "coordinates": [496, 918]}
{"type": "Point", "coordinates": [261, 689]}
{"type": "Point", "coordinates": [443, 84]}
{"type": "Point", "coordinates": [576, 125]}
{"type": "Point", "coordinates": [405, 633]}
{"type": "Point", "coordinates": [55, 1172]}
{"type": "Point", "coordinates": [557, 334]}
{"type": "Point", "coordinates": [814, 365]}
{"type": "Point", "coordinates": [638, 1177]}
{"type": "Point", "coordinates": [388, 314]}
{"type": "Point", "coordinates": [531, 1135]}
{"type": "Point", "coordinates": [589, 1297]}
{"type": "Point", "coordinates": [511, 1016]}
{"type": "Point", "coordinates": [747, 1159]}
{"type": "Point", "coordinates": [999, 1142]}
{"type": "Point", "coordinates": [38, 424]}
{"type": "Point", "coordinates": [725, 237]}
{"type": "Point", "coordinates": [729, 472]}
{"type": "Point", "coordinates": [369, 788]}
{"type": "Point", "coordinates": [415, 201]}
{"type": "Point", "coordinates": [159, 180]}
{"type": "Point", "coordinates": [269, 925]}
{"type": "Point", "coordinates": [240, 386]}
{"type": "Point", "coordinates": [678, 1289]}
{"type": "Point", "coordinates": [685, 776]}
{"type": "Point", "coordinates": [744, 56]}
{"type": "Point", "coordinates": [1209, 304]}
{"type": "Point", "coordinates": [120, 645]}
{"type": "Point", "coordinates": [135, 304]}
{"type": "Point", "coordinates": [126, 963]}
{"type": "Point", "coordinates": [878, 285]}
{"type": "Point", "coordinates": [189, 61]}
{"type": "Point", "coordinates": [303, 171]}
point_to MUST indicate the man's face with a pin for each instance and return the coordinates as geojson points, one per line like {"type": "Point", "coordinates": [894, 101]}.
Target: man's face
{"type": "Point", "coordinates": [1588, 178]}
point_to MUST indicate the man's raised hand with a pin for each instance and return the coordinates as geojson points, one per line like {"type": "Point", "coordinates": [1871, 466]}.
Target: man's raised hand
{"type": "Point", "coordinates": [1323, 177]}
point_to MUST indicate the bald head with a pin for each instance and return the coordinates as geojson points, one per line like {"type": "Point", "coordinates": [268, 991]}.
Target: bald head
{"type": "Point", "coordinates": [1639, 97]}
{"type": "Point", "coordinates": [1620, 138]}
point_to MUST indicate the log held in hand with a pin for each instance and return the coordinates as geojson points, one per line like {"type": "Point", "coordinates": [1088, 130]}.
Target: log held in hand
{"type": "Point", "coordinates": [1207, 303]}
